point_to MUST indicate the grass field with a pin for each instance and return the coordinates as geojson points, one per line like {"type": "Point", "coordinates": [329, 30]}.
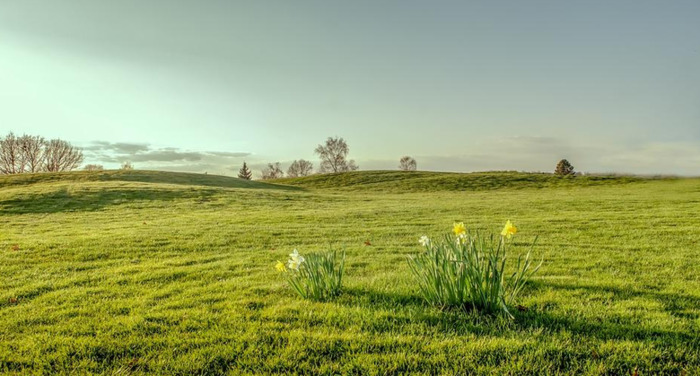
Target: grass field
{"type": "Point", "coordinates": [142, 272]}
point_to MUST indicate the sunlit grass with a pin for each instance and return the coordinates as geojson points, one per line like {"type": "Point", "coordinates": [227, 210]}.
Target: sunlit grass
{"type": "Point", "coordinates": [133, 277]}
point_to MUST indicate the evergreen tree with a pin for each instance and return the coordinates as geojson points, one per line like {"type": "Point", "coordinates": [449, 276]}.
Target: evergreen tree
{"type": "Point", "coordinates": [244, 172]}
{"type": "Point", "coordinates": [564, 168]}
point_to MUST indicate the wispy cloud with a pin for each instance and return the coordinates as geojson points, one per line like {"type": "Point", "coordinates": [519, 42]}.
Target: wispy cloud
{"type": "Point", "coordinates": [164, 158]}
{"type": "Point", "coordinates": [507, 153]}
{"type": "Point", "coordinates": [542, 154]}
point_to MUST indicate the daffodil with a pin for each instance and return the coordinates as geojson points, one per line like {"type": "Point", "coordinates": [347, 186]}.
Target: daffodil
{"type": "Point", "coordinates": [424, 241]}
{"type": "Point", "coordinates": [509, 230]}
{"type": "Point", "coordinates": [461, 239]}
{"type": "Point", "coordinates": [459, 229]}
{"type": "Point", "coordinates": [295, 260]}
{"type": "Point", "coordinates": [280, 266]}
{"type": "Point", "coordinates": [295, 255]}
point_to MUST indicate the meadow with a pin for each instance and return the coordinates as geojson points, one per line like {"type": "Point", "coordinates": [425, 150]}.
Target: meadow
{"type": "Point", "coordinates": [165, 273]}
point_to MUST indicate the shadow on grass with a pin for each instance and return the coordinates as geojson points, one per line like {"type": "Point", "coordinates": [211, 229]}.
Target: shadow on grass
{"type": "Point", "coordinates": [63, 200]}
{"type": "Point", "coordinates": [676, 305]}
{"type": "Point", "coordinates": [411, 310]}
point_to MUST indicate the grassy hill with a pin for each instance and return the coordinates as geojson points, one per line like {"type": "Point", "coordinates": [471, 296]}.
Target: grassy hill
{"type": "Point", "coordinates": [142, 176]}
{"type": "Point", "coordinates": [424, 181]}
{"type": "Point", "coordinates": [162, 273]}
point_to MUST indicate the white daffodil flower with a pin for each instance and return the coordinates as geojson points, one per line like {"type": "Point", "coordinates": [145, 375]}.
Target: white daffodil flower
{"type": "Point", "coordinates": [424, 241]}
{"type": "Point", "coordinates": [461, 239]}
{"type": "Point", "coordinates": [295, 260]}
{"type": "Point", "coordinates": [293, 265]}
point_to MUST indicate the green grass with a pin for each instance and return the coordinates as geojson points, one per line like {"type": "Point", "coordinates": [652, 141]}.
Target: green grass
{"type": "Point", "coordinates": [425, 181]}
{"type": "Point", "coordinates": [131, 275]}
{"type": "Point", "coordinates": [143, 176]}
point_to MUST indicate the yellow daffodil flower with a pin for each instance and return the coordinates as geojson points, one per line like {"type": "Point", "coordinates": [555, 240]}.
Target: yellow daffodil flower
{"type": "Point", "coordinates": [509, 230]}
{"type": "Point", "coordinates": [280, 266]}
{"type": "Point", "coordinates": [459, 229]}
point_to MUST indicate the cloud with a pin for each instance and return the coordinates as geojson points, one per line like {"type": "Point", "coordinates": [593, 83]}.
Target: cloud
{"type": "Point", "coordinates": [164, 158]}
{"type": "Point", "coordinates": [506, 153]}
{"type": "Point", "coordinates": [167, 156]}
{"type": "Point", "coordinates": [228, 154]}
{"type": "Point", "coordinates": [542, 154]}
{"type": "Point", "coordinates": [117, 147]}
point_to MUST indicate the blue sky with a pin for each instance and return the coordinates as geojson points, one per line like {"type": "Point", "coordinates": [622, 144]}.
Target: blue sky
{"type": "Point", "coordinates": [459, 85]}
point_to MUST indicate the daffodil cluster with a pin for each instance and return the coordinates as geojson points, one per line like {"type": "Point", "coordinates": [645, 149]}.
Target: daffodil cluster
{"type": "Point", "coordinates": [318, 276]}
{"type": "Point", "coordinates": [465, 269]}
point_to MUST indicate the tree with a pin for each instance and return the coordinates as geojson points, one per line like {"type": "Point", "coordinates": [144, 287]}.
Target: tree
{"type": "Point", "coordinates": [334, 156]}
{"type": "Point", "coordinates": [61, 156]}
{"type": "Point", "coordinates": [93, 167]}
{"type": "Point", "coordinates": [564, 168]}
{"type": "Point", "coordinates": [244, 172]}
{"type": "Point", "coordinates": [34, 154]}
{"type": "Point", "coordinates": [33, 150]}
{"type": "Point", "coordinates": [127, 166]}
{"type": "Point", "coordinates": [9, 154]}
{"type": "Point", "coordinates": [407, 164]}
{"type": "Point", "coordinates": [272, 171]}
{"type": "Point", "coordinates": [300, 168]}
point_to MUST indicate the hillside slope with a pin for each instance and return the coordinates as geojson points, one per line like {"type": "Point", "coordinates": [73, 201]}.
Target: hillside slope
{"type": "Point", "coordinates": [142, 176]}
{"type": "Point", "coordinates": [423, 181]}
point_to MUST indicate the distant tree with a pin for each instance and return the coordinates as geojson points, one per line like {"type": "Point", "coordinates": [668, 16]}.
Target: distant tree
{"type": "Point", "coordinates": [244, 172]}
{"type": "Point", "coordinates": [61, 156]}
{"type": "Point", "coordinates": [272, 171]}
{"type": "Point", "coordinates": [127, 166]}
{"type": "Point", "coordinates": [334, 155]}
{"type": "Point", "coordinates": [34, 154]}
{"type": "Point", "coordinates": [33, 150]}
{"type": "Point", "coordinates": [9, 154]}
{"type": "Point", "coordinates": [407, 164]}
{"type": "Point", "coordinates": [93, 167]}
{"type": "Point", "coordinates": [300, 168]}
{"type": "Point", "coordinates": [564, 168]}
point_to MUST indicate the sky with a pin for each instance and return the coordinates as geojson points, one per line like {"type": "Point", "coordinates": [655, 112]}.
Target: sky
{"type": "Point", "coordinates": [201, 86]}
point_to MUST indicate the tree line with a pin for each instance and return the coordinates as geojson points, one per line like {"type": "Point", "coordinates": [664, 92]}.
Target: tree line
{"type": "Point", "coordinates": [333, 155]}
{"type": "Point", "coordinates": [31, 154]}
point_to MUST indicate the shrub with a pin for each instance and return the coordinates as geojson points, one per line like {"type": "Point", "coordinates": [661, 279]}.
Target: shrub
{"type": "Point", "coordinates": [564, 168]}
{"type": "Point", "coordinates": [469, 271]}
{"type": "Point", "coordinates": [93, 167]}
{"type": "Point", "coordinates": [318, 276]}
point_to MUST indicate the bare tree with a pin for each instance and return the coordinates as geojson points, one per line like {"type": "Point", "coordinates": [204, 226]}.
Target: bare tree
{"type": "Point", "coordinates": [9, 154]}
{"type": "Point", "coordinates": [300, 168]}
{"type": "Point", "coordinates": [60, 156]}
{"type": "Point", "coordinates": [244, 172]}
{"type": "Point", "coordinates": [407, 164]}
{"type": "Point", "coordinates": [34, 154]}
{"type": "Point", "coordinates": [127, 166]}
{"type": "Point", "coordinates": [93, 167]}
{"type": "Point", "coordinates": [272, 171]}
{"type": "Point", "coordinates": [33, 151]}
{"type": "Point", "coordinates": [334, 156]}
